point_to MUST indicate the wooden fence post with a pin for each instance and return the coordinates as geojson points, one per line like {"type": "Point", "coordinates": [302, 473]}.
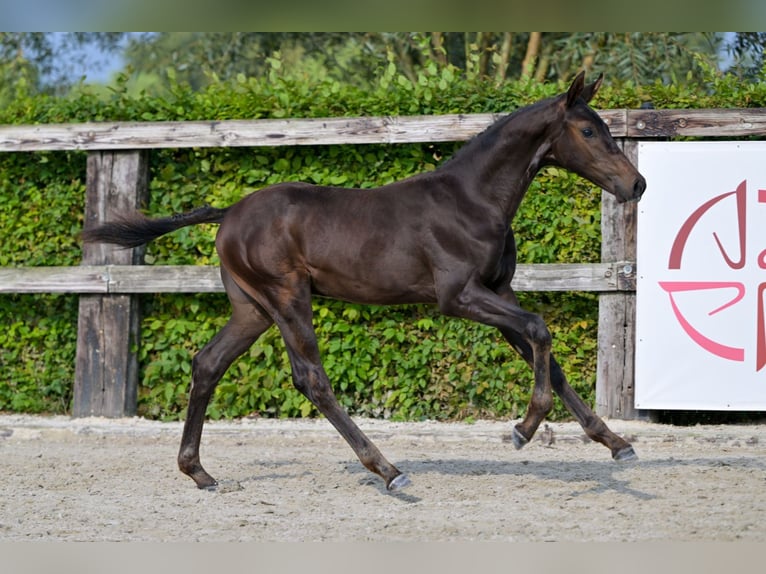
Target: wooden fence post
{"type": "Point", "coordinates": [617, 311]}
{"type": "Point", "coordinates": [106, 369]}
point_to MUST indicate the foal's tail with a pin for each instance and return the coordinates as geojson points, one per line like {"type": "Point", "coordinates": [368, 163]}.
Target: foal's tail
{"type": "Point", "coordinates": [137, 229]}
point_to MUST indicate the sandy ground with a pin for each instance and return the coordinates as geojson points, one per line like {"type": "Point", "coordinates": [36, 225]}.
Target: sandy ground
{"type": "Point", "coordinates": [116, 480]}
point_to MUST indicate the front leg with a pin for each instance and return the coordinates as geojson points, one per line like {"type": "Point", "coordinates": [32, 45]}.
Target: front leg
{"type": "Point", "coordinates": [477, 302]}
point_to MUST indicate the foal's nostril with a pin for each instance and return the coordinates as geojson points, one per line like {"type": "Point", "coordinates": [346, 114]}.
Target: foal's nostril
{"type": "Point", "coordinates": [639, 187]}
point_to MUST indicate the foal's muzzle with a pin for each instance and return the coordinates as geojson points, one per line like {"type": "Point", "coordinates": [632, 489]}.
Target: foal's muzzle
{"type": "Point", "coordinates": [629, 195]}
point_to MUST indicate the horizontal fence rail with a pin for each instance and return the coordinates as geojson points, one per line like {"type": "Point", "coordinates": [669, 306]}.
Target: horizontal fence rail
{"type": "Point", "coordinates": [359, 130]}
{"type": "Point", "coordinates": [245, 133]}
{"type": "Point", "coordinates": [599, 277]}
{"type": "Point", "coordinates": [108, 282]}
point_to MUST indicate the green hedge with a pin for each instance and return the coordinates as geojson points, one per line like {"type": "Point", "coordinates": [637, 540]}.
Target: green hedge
{"type": "Point", "coordinates": [402, 362]}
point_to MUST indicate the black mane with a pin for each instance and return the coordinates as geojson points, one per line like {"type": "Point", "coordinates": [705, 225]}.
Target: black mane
{"type": "Point", "coordinates": [487, 138]}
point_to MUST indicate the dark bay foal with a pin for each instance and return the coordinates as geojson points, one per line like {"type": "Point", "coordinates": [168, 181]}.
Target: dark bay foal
{"type": "Point", "coordinates": [441, 237]}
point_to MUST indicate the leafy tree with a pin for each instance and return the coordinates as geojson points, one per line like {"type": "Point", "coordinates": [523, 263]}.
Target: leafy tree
{"type": "Point", "coordinates": [641, 58]}
{"type": "Point", "coordinates": [17, 75]}
{"type": "Point", "coordinates": [32, 62]}
{"type": "Point", "coordinates": [747, 51]}
{"type": "Point", "coordinates": [49, 62]}
{"type": "Point", "coordinates": [359, 58]}
{"type": "Point", "coordinates": [198, 58]}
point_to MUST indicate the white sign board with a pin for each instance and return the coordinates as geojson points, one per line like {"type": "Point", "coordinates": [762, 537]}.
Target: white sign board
{"type": "Point", "coordinates": [701, 285]}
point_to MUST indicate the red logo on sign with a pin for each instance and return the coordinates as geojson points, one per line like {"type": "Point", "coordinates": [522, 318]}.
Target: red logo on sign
{"type": "Point", "coordinates": [736, 261]}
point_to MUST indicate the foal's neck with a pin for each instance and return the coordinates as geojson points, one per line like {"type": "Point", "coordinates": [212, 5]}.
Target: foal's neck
{"type": "Point", "coordinates": [505, 158]}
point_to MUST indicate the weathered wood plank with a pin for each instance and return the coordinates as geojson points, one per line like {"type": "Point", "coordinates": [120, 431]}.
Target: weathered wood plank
{"type": "Point", "coordinates": [355, 130]}
{"type": "Point", "coordinates": [242, 133]}
{"type": "Point", "coordinates": [88, 279]}
{"type": "Point", "coordinates": [124, 279]}
{"type": "Point", "coordinates": [238, 133]}
{"type": "Point", "coordinates": [164, 279]}
{"type": "Point", "coordinates": [106, 366]}
{"type": "Point", "coordinates": [697, 123]}
{"type": "Point", "coordinates": [599, 277]}
{"type": "Point", "coordinates": [616, 314]}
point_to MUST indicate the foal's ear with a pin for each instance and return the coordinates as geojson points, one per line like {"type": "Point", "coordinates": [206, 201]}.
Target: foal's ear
{"type": "Point", "coordinates": [590, 90]}
{"type": "Point", "coordinates": [575, 90]}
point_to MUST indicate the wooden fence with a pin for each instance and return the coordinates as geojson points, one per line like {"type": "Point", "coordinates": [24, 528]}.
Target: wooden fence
{"type": "Point", "coordinates": [109, 280]}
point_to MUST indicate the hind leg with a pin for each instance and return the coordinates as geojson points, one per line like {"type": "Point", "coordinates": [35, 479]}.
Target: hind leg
{"type": "Point", "coordinates": [591, 423]}
{"type": "Point", "coordinates": [247, 323]}
{"type": "Point", "coordinates": [294, 319]}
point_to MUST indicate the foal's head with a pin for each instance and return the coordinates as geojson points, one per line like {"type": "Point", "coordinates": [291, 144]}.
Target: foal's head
{"type": "Point", "coordinates": [585, 146]}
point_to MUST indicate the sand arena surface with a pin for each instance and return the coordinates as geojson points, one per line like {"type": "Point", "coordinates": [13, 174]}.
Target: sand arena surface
{"type": "Point", "coordinates": [297, 480]}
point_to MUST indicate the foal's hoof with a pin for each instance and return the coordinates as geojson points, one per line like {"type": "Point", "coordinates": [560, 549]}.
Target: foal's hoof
{"type": "Point", "coordinates": [398, 483]}
{"type": "Point", "coordinates": [518, 439]}
{"type": "Point", "coordinates": [625, 454]}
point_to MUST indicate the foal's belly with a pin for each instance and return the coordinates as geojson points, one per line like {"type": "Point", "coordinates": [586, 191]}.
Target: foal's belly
{"type": "Point", "coordinates": [373, 288]}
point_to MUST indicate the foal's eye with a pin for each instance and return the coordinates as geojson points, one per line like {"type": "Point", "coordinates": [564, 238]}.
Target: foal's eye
{"type": "Point", "coordinates": [587, 132]}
